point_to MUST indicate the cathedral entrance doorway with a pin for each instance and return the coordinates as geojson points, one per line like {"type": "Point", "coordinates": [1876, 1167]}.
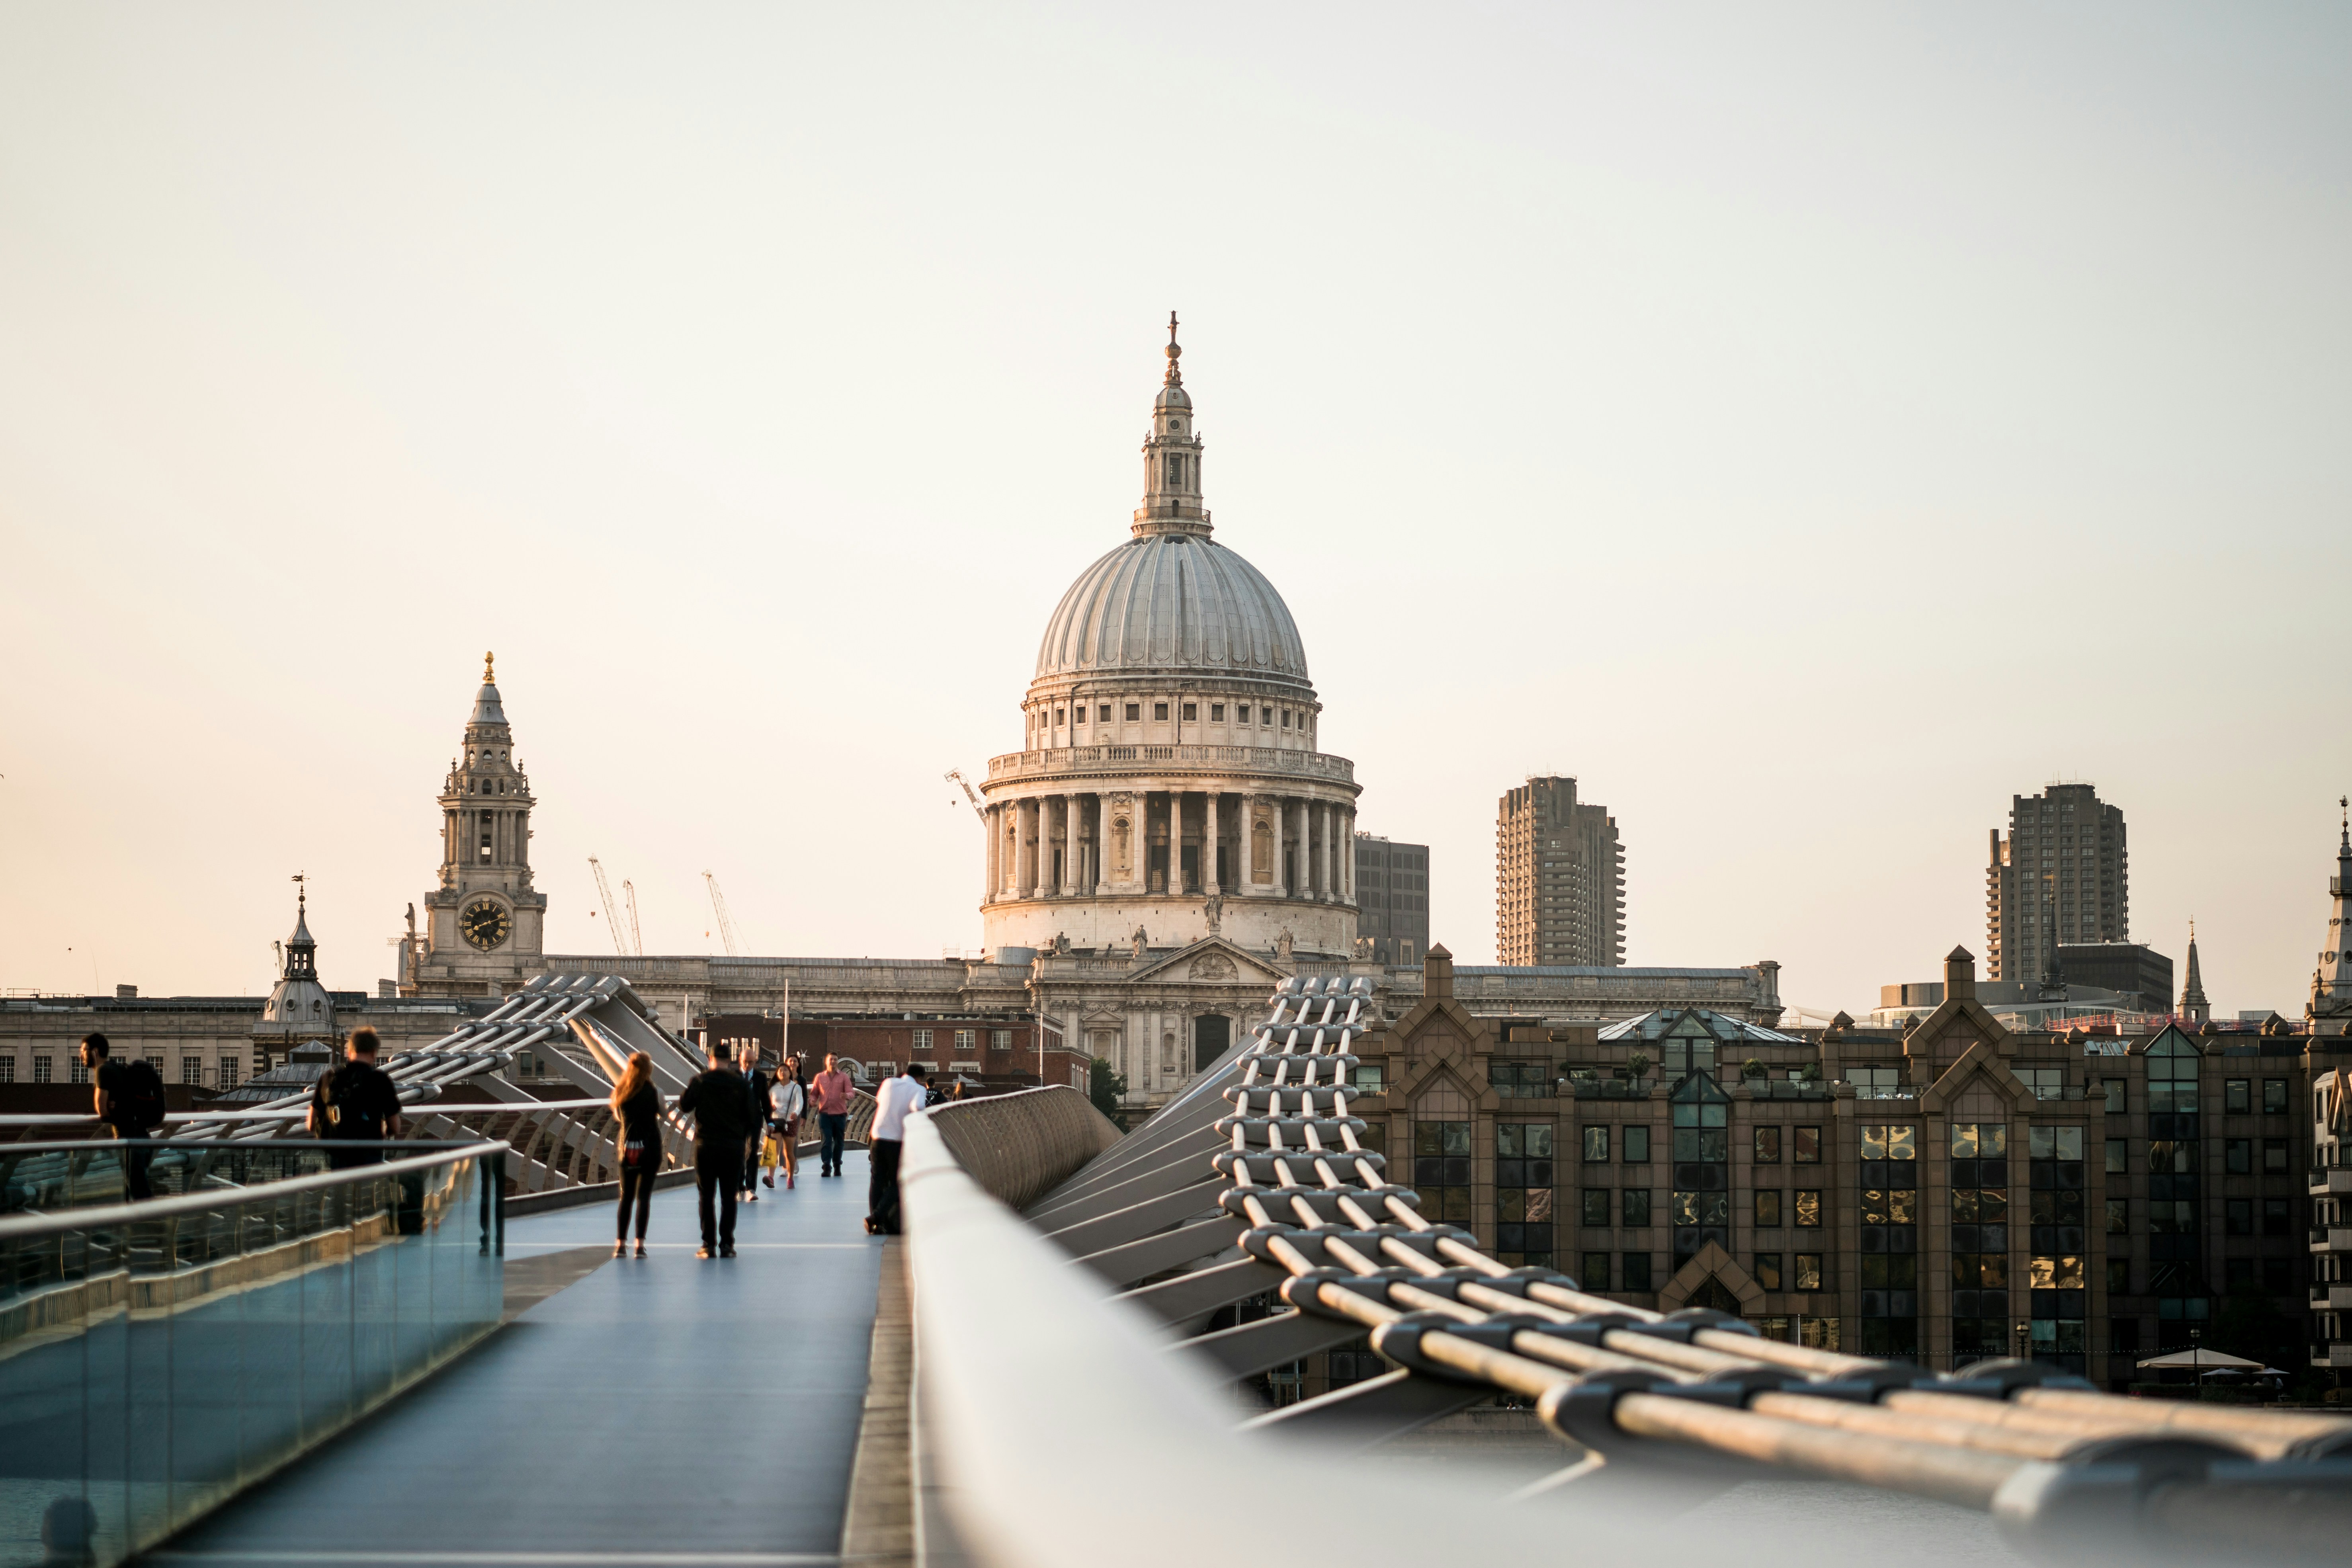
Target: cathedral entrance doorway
{"type": "Point", "coordinates": [1213, 1034]}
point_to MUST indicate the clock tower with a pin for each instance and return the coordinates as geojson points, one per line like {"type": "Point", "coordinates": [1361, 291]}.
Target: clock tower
{"type": "Point", "coordinates": [485, 927]}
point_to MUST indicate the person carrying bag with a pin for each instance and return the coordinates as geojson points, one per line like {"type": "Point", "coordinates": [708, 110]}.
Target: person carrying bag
{"type": "Point", "coordinates": [786, 1104]}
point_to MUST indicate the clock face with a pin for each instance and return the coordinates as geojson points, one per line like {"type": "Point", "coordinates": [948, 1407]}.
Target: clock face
{"type": "Point", "coordinates": [484, 923]}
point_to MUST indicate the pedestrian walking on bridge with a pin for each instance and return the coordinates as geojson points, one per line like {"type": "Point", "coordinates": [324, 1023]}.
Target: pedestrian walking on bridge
{"type": "Point", "coordinates": [637, 1103]}
{"type": "Point", "coordinates": [787, 1101]}
{"type": "Point", "coordinates": [892, 1103]}
{"type": "Point", "coordinates": [832, 1091]}
{"type": "Point", "coordinates": [720, 1104]}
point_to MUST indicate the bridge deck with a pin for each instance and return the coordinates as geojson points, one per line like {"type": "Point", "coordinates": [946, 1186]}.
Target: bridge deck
{"type": "Point", "coordinates": [672, 1410]}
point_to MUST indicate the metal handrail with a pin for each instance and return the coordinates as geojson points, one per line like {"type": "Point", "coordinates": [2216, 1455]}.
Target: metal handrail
{"type": "Point", "coordinates": [150, 1209]}
{"type": "Point", "coordinates": [418, 1107]}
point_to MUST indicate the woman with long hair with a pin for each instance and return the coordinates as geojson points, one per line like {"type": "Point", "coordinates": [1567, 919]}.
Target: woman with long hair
{"type": "Point", "coordinates": [637, 1103]}
{"type": "Point", "coordinates": [786, 1101]}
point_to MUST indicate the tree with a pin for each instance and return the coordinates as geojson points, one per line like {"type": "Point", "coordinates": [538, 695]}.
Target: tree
{"type": "Point", "coordinates": [1107, 1089]}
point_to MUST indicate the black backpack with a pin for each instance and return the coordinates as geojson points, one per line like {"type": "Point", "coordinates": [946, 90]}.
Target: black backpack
{"type": "Point", "coordinates": [345, 1117]}
{"type": "Point", "coordinates": [139, 1095]}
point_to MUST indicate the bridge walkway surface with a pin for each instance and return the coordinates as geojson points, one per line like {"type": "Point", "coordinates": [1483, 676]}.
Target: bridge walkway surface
{"type": "Point", "coordinates": [669, 1411]}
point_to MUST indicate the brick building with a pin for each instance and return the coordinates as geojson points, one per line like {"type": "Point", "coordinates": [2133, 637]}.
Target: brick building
{"type": "Point", "coordinates": [1944, 1193]}
{"type": "Point", "coordinates": [996, 1050]}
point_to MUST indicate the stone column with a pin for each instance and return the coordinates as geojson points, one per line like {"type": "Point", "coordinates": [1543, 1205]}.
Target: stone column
{"type": "Point", "coordinates": [1306, 849]}
{"type": "Point", "coordinates": [1280, 816]}
{"type": "Point", "coordinates": [1074, 869]}
{"type": "Point", "coordinates": [1033, 833]}
{"type": "Point", "coordinates": [1209, 849]}
{"type": "Point", "coordinates": [1242, 862]}
{"type": "Point", "coordinates": [988, 855]}
{"type": "Point", "coordinates": [1347, 844]}
{"type": "Point", "coordinates": [1328, 863]}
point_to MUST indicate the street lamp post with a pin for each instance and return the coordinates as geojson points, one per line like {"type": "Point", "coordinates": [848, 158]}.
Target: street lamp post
{"type": "Point", "coordinates": [2023, 1329]}
{"type": "Point", "coordinates": [2197, 1360]}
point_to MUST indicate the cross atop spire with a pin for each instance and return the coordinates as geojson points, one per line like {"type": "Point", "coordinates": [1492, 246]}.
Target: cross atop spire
{"type": "Point", "coordinates": [1175, 352]}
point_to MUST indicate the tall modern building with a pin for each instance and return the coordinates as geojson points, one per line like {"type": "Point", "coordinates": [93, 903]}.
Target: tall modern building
{"type": "Point", "coordinates": [2061, 876]}
{"type": "Point", "coordinates": [1559, 878]}
{"type": "Point", "coordinates": [1392, 900]}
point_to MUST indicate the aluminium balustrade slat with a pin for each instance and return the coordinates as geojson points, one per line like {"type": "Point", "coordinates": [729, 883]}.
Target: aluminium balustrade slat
{"type": "Point", "coordinates": [1139, 1220]}
{"type": "Point", "coordinates": [1195, 1110]}
{"type": "Point", "coordinates": [1364, 1413]}
{"type": "Point", "coordinates": [1247, 1348]}
{"type": "Point", "coordinates": [1170, 1249]}
{"type": "Point", "coordinates": [1206, 1289]}
{"type": "Point", "coordinates": [1181, 1167]}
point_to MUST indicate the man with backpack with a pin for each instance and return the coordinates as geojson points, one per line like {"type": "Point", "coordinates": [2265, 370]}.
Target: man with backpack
{"type": "Point", "coordinates": [354, 1103]}
{"type": "Point", "coordinates": [129, 1099]}
{"type": "Point", "coordinates": [720, 1104]}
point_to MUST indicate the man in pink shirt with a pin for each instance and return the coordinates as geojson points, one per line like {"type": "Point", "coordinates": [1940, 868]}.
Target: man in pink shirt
{"type": "Point", "coordinates": [831, 1091]}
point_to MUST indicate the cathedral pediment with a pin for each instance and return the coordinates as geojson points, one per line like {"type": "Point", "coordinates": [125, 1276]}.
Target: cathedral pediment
{"type": "Point", "coordinates": [1212, 961]}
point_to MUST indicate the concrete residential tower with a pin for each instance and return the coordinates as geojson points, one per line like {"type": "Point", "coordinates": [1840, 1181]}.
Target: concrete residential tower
{"type": "Point", "coordinates": [1169, 786]}
{"type": "Point", "coordinates": [2061, 876]}
{"type": "Point", "coordinates": [1559, 878]}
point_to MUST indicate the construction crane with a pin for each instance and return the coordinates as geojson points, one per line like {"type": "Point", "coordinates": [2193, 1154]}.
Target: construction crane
{"type": "Point", "coordinates": [612, 910]}
{"type": "Point", "coordinates": [636, 948]}
{"type": "Point", "coordinates": [955, 775]}
{"type": "Point", "coordinates": [726, 925]}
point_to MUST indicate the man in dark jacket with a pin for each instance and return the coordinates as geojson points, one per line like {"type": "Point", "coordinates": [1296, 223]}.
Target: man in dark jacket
{"type": "Point", "coordinates": [720, 1104]}
{"type": "Point", "coordinates": [355, 1104]}
{"type": "Point", "coordinates": [761, 1090]}
{"type": "Point", "coordinates": [129, 1099]}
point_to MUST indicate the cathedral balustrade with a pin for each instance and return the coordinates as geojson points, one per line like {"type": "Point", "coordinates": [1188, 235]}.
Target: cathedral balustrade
{"type": "Point", "coordinates": [1091, 758]}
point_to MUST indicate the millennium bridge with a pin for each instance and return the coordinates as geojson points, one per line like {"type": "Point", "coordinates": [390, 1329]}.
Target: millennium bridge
{"type": "Point", "coordinates": [436, 1360]}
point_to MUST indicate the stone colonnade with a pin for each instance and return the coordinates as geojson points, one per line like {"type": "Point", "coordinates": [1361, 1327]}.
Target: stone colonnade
{"type": "Point", "coordinates": [1086, 843]}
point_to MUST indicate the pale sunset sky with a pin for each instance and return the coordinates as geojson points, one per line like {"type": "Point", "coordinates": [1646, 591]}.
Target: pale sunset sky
{"type": "Point", "coordinates": [1809, 426]}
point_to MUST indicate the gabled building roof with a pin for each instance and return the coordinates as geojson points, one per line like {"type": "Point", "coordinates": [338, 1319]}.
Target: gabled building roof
{"type": "Point", "coordinates": [1696, 1023]}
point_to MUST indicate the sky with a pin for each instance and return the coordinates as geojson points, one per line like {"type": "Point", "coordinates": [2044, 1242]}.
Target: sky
{"type": "Point", "coordinates": [1809, 426]}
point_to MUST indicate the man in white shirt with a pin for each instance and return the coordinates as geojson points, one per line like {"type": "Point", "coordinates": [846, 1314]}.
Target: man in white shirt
{"type": "Point", "coordinates": [892, 1102]}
